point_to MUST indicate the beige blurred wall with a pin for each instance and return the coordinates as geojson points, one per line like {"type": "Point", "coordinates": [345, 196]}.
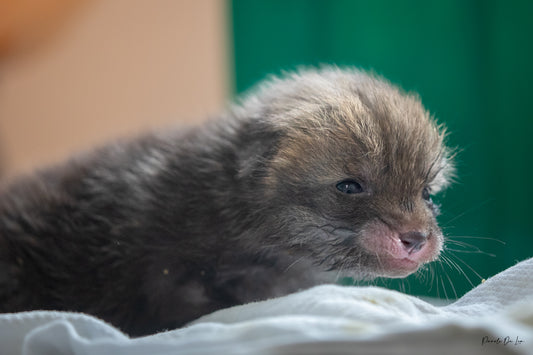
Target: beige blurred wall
{"type": "Point", "coordinates": [112, 69]}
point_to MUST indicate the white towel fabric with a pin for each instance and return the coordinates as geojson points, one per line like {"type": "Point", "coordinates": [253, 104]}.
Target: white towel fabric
{"type": "Point", "coordinates": [494, 318]}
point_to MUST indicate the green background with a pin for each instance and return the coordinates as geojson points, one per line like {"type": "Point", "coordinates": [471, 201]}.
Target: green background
{"type": "Point", "coordinates": [470, 61]}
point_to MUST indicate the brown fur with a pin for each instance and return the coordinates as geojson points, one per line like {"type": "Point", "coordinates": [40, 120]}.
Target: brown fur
{"type": "Point", "coordinates": [152, 233]}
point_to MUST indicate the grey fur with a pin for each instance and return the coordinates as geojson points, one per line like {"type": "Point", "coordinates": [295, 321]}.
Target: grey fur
{"type": "Point", "coordinates": [151, 233]}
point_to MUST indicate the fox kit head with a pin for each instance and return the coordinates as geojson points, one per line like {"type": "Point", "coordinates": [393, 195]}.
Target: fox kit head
{"type": "Point", "coordinates": [348, 172]}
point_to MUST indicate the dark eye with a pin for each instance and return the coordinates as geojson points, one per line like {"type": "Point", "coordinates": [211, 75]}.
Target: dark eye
{"type": "Point", "coordinates": [349, 187]}
{"type": "Point", "coordinates": [426, 194]}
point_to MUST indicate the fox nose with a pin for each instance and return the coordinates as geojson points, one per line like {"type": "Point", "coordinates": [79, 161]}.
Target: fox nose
{"type": "Point", "coordinates": [413, 241]}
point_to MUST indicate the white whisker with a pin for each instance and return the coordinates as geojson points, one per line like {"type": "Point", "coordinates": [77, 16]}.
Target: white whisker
{"type": "Point", "coordinates": [293, 263]}
{"type": "Point", "coordinates": [469, 210]}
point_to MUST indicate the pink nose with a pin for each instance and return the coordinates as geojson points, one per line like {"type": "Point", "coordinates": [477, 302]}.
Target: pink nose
{"type": "Point", "coordinates": [413, 241]}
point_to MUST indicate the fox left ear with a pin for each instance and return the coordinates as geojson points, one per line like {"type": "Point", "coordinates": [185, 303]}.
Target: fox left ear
{"type": "Point", "coordinates": [257, 147]}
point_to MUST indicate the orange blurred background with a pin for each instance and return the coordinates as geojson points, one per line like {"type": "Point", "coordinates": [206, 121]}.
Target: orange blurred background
{"type": "Point", "coordinates": [77, 73]}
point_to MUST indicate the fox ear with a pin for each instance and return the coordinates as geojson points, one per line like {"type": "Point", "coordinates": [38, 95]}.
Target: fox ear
{"type": "Point", "coordinates": [445, 173]}
{"type": "Point", "coordinates": [257, 147]}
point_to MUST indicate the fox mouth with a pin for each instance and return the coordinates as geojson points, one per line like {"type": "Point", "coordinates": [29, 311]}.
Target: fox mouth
{"type": "Point", "coordinates": [400, 254]}
{"type": "Point", "coordinates": [397, 267]}
{"type": "Point", "coordinates": [374, 251]}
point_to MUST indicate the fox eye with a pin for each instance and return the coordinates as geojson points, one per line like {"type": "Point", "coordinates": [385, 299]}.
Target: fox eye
{"type": "Point", "coordinates": [349, 187]}
{"type": "Point", "coordinates": [426, 194]}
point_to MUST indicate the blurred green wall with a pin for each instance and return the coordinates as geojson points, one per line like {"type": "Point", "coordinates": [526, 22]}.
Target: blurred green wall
{"type": "Point", "coordinates": [472, 64]}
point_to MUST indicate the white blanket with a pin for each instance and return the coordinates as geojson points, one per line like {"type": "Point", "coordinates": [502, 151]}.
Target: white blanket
{"type": "Point", "coordinates": [494, 318]}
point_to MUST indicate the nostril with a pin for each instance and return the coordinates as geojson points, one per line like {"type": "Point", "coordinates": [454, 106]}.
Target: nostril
{"type": "Point", "coordinates": [413, 241]}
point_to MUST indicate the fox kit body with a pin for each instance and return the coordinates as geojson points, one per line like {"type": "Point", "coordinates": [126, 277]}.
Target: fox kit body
{"type": "Point", "coordinates": [317, 174]}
